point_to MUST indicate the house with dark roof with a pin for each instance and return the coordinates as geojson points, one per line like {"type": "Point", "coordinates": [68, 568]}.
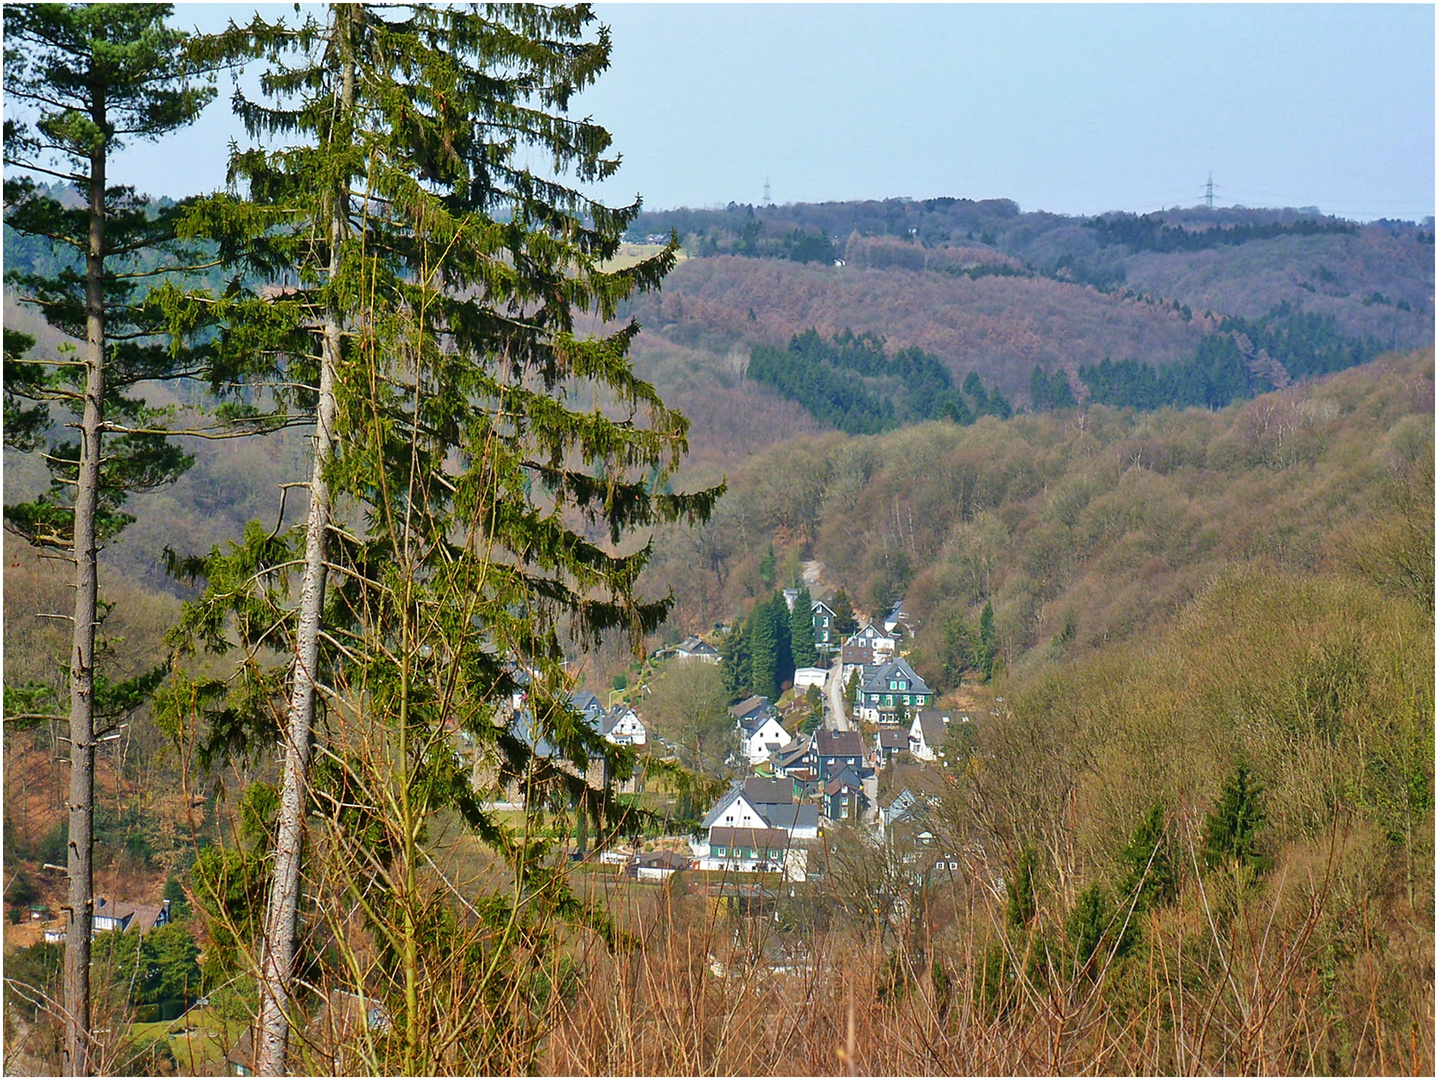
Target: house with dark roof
{"type": "Point", "coordinates": [835, 750]}
{"type": "Point", "coordinates": [757, 826]}
{"type": "Point", "coordinates": [889, 742]}
{"type": "Point", "coordinates": [927, 734]}
{"type": "Point", "coordinates": [624, 728]}
{"type": "Point", "coordinates": [760, 732]}
{"type": "Point", "coordinates": [796, 758]}
{"type": "Point", "coordinates": [898, 621]}
{"type": "Point", "coordinates": [825, 621]}
{"type": "Point", "coordinates": [892, 689]}
{"type": "Point", "coordinates": [696, 648]}
{"type": "Point", "coordinates": [882, 642]}
{"type": "Point", "coordinates": [844, 798]}
{"type": "Point", "coordinates": [856, 655]}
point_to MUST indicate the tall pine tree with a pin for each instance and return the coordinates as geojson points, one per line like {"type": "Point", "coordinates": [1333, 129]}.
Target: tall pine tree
{"type": "Point", "coordinates": [87, 78]}
{"type": "Point", "coordinates": [801, 630]}
{"type": "Point", "coordinates": [430, 286]}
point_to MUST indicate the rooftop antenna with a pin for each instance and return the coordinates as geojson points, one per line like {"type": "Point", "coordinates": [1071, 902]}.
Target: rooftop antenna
{"type": "Point", "coordinates": [767, 201]}
{"type": "Point", "coordinates": [1209, 197]}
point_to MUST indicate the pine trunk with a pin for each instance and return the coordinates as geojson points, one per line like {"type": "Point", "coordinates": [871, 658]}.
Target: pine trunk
{"type": "Point", "coordinates": [281, 921]}
{"type": "Point", "coordinates": [81, 899]}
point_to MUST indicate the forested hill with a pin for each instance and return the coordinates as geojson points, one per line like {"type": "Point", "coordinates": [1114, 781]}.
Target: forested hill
{"type": "Point", "coordinates": [1191, 307]}
{"type": "Point", "coordinates": [1083, 529]}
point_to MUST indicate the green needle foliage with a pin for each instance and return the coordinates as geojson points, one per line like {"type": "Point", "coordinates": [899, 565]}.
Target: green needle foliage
{"type": "Point", "coordinates": [1231, 830]}
{"type": "Point", "coordinates": [493, 457]}
{"type": "Point", "coordinates": [801, 630]}
{"type": "Point", "coordinates": [80, 80]}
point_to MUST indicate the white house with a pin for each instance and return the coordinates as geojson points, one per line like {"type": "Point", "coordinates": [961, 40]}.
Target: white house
{"type": "Point", "coordinates": [694, 648]}
{"type": "Point", "coordinates": [765, 736]}
{"type": "Point", "coordinates": [760, 732]}
{"type": "Point", "coordinates": [758, 827]}
{"type": "Point", "coordinates": [882, 642]}
{"type": "Point", "coordinates": [927, 733]}
{"type": "Point", "coordinates": [624, 728]}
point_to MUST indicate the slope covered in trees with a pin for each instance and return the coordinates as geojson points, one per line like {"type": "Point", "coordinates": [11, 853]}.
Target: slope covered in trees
{"type": "Point", "coordinates": [1083, 528]}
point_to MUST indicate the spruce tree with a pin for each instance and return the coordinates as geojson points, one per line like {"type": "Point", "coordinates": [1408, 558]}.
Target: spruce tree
{"type": "Point", "coordinates": [801, 630]}
{"type": "Point", "coordinates": [988, 647]}
{"type": "Point", "coordinates": [1230, 833]}
{"type": "Point", "coordinates": [92, 76]}
{"type": "Point", "coordinates": [1152, 877]}
{"type": "Point", "coordinates": [1039, 388]}
{"type": "Point", "coordinates": [736, 662]}
{"type": "Point", "coordinates": [783, 640]}
{"type": "Point", "coordinates": [763, 637]}
{"type": "Point", "coordinates": [430, 284]}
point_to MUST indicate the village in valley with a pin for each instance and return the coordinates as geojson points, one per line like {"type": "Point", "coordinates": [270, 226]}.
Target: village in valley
{"type": "Point", "coordinates": [854, 741]}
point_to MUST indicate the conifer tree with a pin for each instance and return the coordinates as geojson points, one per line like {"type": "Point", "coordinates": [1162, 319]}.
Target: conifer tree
{"type": "Point", "coordinates": [1230, 832]}
{"type": "Point", "coordinates": [763, 636]}
{"type": "Point", "coordinates": [430, 282]}
{"type": "Point", "coordinates": [988, 647]}
{"type": "Point", "coordinates": [1152, 877]}
{"type": "Point", "coordinates": [801, 630]}
{"type": "Point", "coordinates": [86, 79]}
{"type": "Point", "coordinates": [736, 662]}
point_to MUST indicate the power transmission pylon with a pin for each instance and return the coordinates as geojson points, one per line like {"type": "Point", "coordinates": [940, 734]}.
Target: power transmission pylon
{"type": "Point", "coordinates": [1209, 197]}
{"type": "Point", "coordinates": [767, 201]}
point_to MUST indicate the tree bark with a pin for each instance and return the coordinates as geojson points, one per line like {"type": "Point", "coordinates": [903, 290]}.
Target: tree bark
{"type": "Point", "coordinates": [81, 898]}
{"type": "Point", "coordinates": [281, 919]}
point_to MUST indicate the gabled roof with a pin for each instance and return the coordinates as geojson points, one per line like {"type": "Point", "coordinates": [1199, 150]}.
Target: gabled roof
{"type": "Point", "coordinates": [750, 706]}
{"type": "Point", "coordinates": [877, 682]}
{"type": "Point", "coordinates": [817, 604]}
{"type": "Point", "coordinates": [892, 738]}
{"type": "Point", "coordinates": [750, 725]}
{"type": "Point", "coordinates": [793, 816]}
{"type": "Point", "coordinates": [141, 917]}
{"type": "Point", "coordinates": [795, 751]}
{"type": "Point", "coordinates": [839, 744]}
{"type": "Point", "coordinates": [857, 654]}
{"type": "Point", "coordinates": [778, 813]}
{"type": "Point", "coordinates": [762, 793]}
{"type": "Point", "coordinates": [696, 646]}
{"type": "Point", "coordinates": [665, 860]}
{"type": "Point", "coordinates": [583, 701]}
{"type": "Point", "coordinates": [612, 720]}
{"type": "Point", "coordinates": [847, 776]}
{"type": "Point", "coordinates": [931, 723]}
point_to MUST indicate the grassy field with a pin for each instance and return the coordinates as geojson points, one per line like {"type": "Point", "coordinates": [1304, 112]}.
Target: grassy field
{"type": "Point", "coordinates": [629, 254]}
{"type": "Point", "coordinates": [199, 1040]}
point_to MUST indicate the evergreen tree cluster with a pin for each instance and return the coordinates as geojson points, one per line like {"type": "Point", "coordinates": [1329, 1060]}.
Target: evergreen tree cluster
{"type": "Point", "coordinates": [1228, 366]}
{"type": "Point", "coordinates": [1150, 232]}
{"type": "Point", "coordinates": [853, 384]}
{"type": "Point", "coordinates": [1050, 391]}
{"type": "Point", "coordinates": [758, 655]}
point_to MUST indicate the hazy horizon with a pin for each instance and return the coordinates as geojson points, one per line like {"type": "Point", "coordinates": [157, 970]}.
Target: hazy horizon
{"type": "Point", "coordinates": [1072, 109]}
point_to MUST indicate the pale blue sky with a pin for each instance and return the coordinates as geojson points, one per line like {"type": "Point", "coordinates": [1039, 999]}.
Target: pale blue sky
{"type": "Point", "coordinates": [1068, 108]}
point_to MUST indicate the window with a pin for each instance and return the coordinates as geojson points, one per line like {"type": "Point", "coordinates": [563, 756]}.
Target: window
{"type": "Point", "coordinates": [720, 851]}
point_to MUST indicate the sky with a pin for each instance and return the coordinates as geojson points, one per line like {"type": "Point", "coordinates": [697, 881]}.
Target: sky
{"type": "Point", "coordinates": [1068, 108]}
